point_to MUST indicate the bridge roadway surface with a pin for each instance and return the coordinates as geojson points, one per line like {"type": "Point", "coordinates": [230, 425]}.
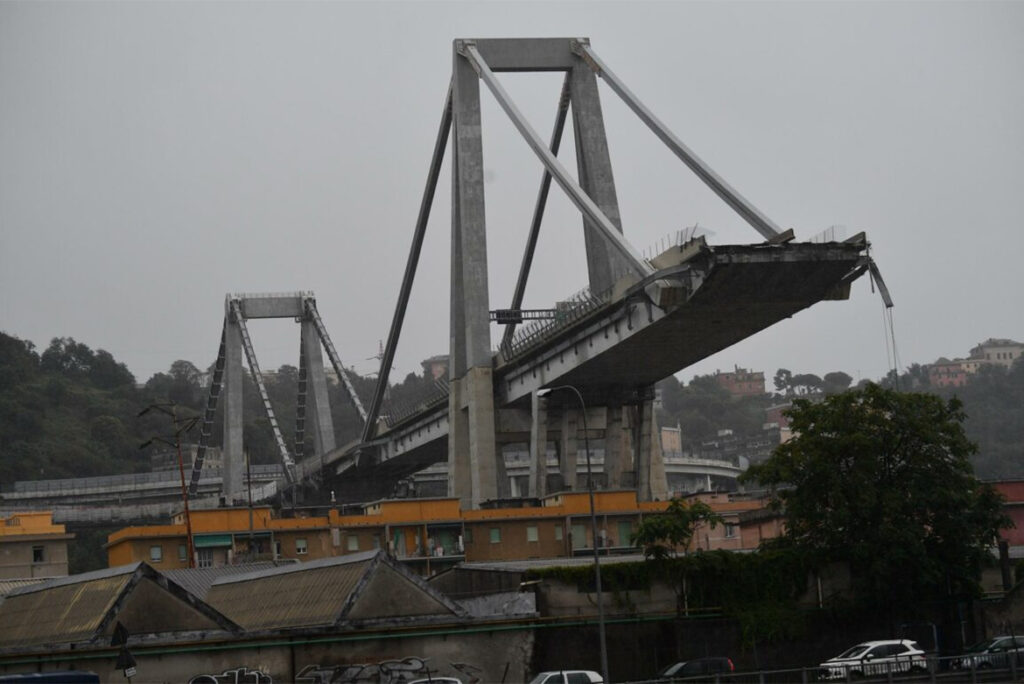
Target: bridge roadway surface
{"type": "Point", "coordinates": [705, 299]}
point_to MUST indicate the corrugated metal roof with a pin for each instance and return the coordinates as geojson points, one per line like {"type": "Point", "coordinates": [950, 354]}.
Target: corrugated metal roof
{"type": "Point", "coordinates": [104, 573]}
{"type": "Point", "coordinates": [8, 585]}
{"type": "Point", "coordinates": [360, 557]}
{"type": "Point", "coordinates": [307, 595]}
{"type": "Point", "coordinates": [197, 581]}
{"type": "Point", "coordinates": [62, 613]}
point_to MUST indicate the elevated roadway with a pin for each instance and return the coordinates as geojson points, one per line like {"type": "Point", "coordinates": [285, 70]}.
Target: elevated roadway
{"type": "Point", "coordinates": [700, 300]}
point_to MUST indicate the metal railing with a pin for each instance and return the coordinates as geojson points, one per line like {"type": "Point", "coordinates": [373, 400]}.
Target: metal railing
{"type": "Point", "coordinates": [947, 669]}
{"type": "Point", "coordinates": [570, 311]}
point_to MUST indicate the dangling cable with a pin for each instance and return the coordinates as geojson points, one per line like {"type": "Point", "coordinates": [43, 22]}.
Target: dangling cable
{"type": "Point", "coordinates": [889, 361]}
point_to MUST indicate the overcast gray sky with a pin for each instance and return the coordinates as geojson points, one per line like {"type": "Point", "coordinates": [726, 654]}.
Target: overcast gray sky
{"type": "Point", "coordinates": [155, 156]}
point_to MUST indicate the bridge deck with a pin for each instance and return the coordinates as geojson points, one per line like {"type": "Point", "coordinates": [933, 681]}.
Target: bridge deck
{"type": "Point", "coordinates": [724, 295]}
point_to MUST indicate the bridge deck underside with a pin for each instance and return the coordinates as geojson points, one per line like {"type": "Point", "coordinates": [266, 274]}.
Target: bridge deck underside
{"type": "Point", "coordinates": [736, 301]}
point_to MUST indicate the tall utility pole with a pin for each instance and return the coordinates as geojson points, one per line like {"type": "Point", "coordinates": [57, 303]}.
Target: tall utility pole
{"type": "Point", "coordinates": [180, 427]}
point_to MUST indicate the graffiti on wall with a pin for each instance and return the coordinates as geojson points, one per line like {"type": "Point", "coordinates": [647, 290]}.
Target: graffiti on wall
{"type": "Point", "coordinates": [384, 672]}
{"type": "Point", "coordinates": [240, 675]}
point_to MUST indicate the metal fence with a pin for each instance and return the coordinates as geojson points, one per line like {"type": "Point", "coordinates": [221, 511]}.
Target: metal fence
{"type": "Point", "coordinates": [944, 670]}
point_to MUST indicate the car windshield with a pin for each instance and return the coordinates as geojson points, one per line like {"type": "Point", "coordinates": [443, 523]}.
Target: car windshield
{"type": "Point", "coordinates": [855, 652]}
{"type": "Point", "coordinates": [671, 670]}
{"type": "Point", "coordinates": [982, 646]}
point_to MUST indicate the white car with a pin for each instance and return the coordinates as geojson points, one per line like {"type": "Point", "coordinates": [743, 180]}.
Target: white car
{"type": "Point", "coordinates": [875, 658]}
{"type": "Point", "coordinates": [567, 677]}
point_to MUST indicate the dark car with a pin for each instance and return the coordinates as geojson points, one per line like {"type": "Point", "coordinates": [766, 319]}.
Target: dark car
{"type": "Point", "coordinates": [698, 668]}
{"type": "Point", "coordinates": [996, 652]}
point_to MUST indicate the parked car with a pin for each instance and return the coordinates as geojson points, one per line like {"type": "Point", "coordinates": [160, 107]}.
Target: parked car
{"type": "Point", "coordinates": [995, 652]}
{"type": "Point", "coordinates": [567, 677]}
{"type": "Point", "coordinates": [698, 667]}
{"type": "Point", "coordinates": [875, 658]}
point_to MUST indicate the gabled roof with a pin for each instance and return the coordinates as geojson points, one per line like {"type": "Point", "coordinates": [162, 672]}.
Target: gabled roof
{"type": "Point", "coordinates": [84, 608]}
{"type": "Point", "coordinates": [197, 581]}
{"type": "Point", "coordinates": [358, 588]}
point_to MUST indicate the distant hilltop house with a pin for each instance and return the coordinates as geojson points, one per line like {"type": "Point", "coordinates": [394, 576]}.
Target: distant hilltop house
{"type": "Point", "coordinates": [436, 366]}
{"type": "Point", "coordinates": [991, 352]}
{"type": "Point", "coordinates": [741, 382]}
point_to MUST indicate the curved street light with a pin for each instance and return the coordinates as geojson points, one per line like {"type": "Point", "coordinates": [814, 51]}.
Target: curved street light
{"type": "Point", "coordinates": [593, 524]}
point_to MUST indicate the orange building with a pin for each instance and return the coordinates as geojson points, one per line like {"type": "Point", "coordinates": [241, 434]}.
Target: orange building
{"type": "Point", "coordinates": [741, 382]}
{"type": "Point", "coordinates": [31, 545]}
{"type": "Point", "coordinates": [427, 534]}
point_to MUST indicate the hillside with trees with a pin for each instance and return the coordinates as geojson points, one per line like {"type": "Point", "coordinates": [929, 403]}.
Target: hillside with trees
{"type": "Point", "coordinates": [71, 411]}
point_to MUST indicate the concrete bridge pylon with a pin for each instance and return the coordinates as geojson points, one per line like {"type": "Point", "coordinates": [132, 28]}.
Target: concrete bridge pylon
{"type": "Point", "coordinates": [313, 407]}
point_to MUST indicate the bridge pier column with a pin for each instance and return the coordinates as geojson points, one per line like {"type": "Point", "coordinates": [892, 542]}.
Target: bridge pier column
{"type": "Point", "coordinates": [594, 166]}
{"type": "Point", "coordinates": [318, 407]}
{"type": "Point", "coordinates": [616, 447]}
{"type": "Point", "coordinates": [234, 454]}
{"type": "Point", "coordinates": [650, 463]}
{"type": "Point", "coordinates": [538, 486]}
{"type": "Point", "coordinates": [471, 441]}
{"type": "Point", "coordinates": [567, 453]}
{"type": "Point", "coordinates": [472, 458]}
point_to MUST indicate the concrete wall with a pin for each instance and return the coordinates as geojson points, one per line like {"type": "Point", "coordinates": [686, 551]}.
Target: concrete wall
{"type": "Point", "coordinates": [393, 657]}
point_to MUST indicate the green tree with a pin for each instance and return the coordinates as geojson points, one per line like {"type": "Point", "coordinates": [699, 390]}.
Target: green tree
{"type": "Point", "coordinates": [783, 381]}
{"type": "Point", "coordinates": [882, 481]}
{"type": "Point", "coordinates": [663, 535]}
{"type": "Point", "coordinates": [836, 381]}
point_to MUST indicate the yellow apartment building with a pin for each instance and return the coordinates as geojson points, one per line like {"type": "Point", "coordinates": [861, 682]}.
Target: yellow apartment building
{"type": "Point", "coordinates": [31, 545]}
{"type": "Point", "coordinates": [427, 534]}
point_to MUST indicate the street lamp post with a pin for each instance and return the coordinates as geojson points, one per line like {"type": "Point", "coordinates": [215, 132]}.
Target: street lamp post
{"type": "Point", "coordinates": [593, 525]}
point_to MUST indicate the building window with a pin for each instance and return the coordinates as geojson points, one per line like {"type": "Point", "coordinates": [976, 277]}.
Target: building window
{"type": "Point", "coordinates": [531, 533]}
{"type": "Point", "coordinates": [37, 554]}
{"type": "Point", "coordinates": [558, 533]}
{"type": "Point", "coordinates": [204, 558]}
{"type": "Point", "coordinates": [300, 546]}
{"type": "Point", "coordinates": [495, 535]}
{"type": "Point", "coordinates": [156, 554]}
{"type": "Point", "coordinates": [183, 553]}
{"type": "Point", "coordinates": [277, 549]}
{"type": "Point", "coordinates": [376, 540]}
{"type": "Point", "coordinates": [730, 530]}
{"type": "Point", "coordinates": [353, 543]}
{"type": "Point", "coordinates": [468, 535]}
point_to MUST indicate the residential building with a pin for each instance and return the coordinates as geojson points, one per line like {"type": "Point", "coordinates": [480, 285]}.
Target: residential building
{"type": "Point", "coordinates": [741, 382]}
{"type": "Point", "coordinates": [436, 366]}
{"type": "Point", "coordinates": [946, 373]}
{"type": "Point", "coordinates": [1000, 352]}
{"type": "Point", "coordinates": [31, 545]}
{"type": "Point", "coordinates": [426, 535]}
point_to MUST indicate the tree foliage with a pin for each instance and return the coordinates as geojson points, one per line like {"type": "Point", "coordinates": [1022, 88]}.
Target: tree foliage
{"type": "Point", "coordinates": [662, 535]}
{"type": "Point", "coordinates": [883, 481]}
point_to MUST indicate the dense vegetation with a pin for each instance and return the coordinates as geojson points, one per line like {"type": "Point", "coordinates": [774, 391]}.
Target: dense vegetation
{"type": "Point", "coordinates": [993, 407]}
{"type": "Point", "coordinates": [70, 411]}
{"type": "Point", "coordinates": [881, 481]}
{"type": "Point", "coordinates": [73, 412]}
